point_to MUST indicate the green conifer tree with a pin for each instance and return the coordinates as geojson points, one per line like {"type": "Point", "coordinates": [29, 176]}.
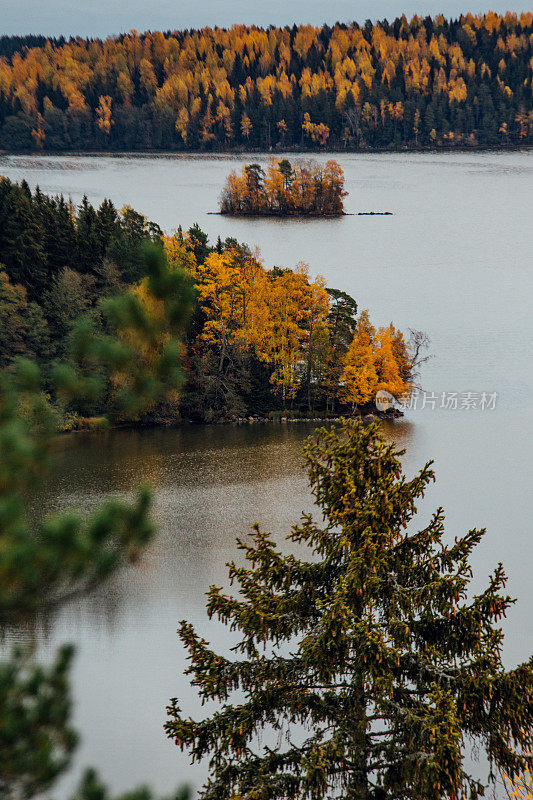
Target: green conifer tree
{"type": "Point", "coordinates": [21, 239]}
{"type": "Point", "coordinates": [371, 659]}
{"type": "Point", "coordinates": [89, 256]}
{"type": "Point", "coordinates": [341, 329]}
{"type": "Point", "coordinates": [46, 561]}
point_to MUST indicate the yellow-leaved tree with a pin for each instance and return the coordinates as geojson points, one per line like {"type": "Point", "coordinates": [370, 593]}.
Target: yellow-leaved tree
{"type": "Point", "coordinates": [288, 328]}
{"type": "Point", "coordinates": [220, 293]}
{"type": "Point", "coordinates": [359, 379]}
{"type": "Point", "coordinates": [392, 362]}
{"type": "Point", "coordinates": [179, 252]}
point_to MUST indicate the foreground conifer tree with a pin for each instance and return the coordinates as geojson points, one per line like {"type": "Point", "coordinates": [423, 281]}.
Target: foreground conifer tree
{"type": "Point", "coordinates": [372, 661]}
{"type": "Point", "coordinates": [46, 559]}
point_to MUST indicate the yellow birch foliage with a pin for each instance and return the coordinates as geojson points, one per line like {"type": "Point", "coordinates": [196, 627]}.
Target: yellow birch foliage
{"type": "Point", "coordinates": [219, 286]}
{"type": "Point", "coordinates": [375, 360]}
{"type": "Point", "coordinates": [287, 329]}
{"type": "Point", "coordinates": [103, 113]}
{"type": "Point", "coordinates": [359, 379]}
{"type": "Point", "coordinates": [390, 363]}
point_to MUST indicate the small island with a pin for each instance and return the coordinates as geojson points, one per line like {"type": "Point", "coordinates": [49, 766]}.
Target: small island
{"type": "Point", "coordinates": [306, 188]}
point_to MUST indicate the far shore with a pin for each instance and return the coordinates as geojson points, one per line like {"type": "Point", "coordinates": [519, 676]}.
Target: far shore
{"type": "Point", "coordinates": [242, 152]}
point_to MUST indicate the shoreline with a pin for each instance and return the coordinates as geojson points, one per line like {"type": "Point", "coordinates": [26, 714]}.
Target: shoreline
{"type": "Point", "coordinates": [100, 424]}
{"type": "Point", "coordinates": [280, 215]}
{"type": "Point", "coordinates": [238, 151]}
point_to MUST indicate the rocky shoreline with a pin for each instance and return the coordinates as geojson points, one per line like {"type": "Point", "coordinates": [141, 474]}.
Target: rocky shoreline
{"type": "Point", "coordinates": [365, 414]}
{"type": "Point", "coordinates": [99, 424]}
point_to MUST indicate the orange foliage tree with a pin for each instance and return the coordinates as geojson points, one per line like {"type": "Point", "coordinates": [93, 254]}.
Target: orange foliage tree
{"type": "Point", "coordinates": [302, 337]}
{"type": "Point", "coordinates": [376, 360]}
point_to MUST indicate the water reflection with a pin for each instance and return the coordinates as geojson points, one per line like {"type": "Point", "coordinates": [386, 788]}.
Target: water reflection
{"type": "Point", "coordinates": [212, 484]}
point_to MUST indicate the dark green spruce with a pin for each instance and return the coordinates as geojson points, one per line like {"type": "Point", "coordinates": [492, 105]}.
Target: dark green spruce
{"type": "Point", "coordinates": [368, 655]}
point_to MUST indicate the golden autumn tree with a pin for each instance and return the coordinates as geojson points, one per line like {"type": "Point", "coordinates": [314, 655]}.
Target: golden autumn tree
{"type": "Point", "coordinates": [359, 380]}
{"type": "Point", "coordinates": [182, 123]}
{"type": "Point", "coordinates": [416, 124]}
{"type": "Point", "coordinates": [376, 360]}
{"type": "Point", "coordinates": [218, 353]}
{"type": "Point", "coordinates": [254, 328]}
{"type": "Point", "coordinates": [281, 125]}
{"type": "Point", "coordinates": [103, 113]}
{"type": "Point", "coordinates": [277, 194]}
{"type": "Point", "coordinates": [234, 194]}
{"type": "Point", "coordinates": [143, 316]}
{"type": "Point", "coordinates": [179, 252]}
{"type": "Point", "coordinates": [219, 286]}
{"type": "Point", "coordinates": [333, 192]}
{"type": "Point", "coordinates": [389, 363]}
{"type": "Point", "coordinates": [288, 333]}
{"type": "Point", "coordinates": [246, 126]}
{"type": "Point", "coordinates": [38, 132]}
{"type": "Point", "coordinates": [317, 132]}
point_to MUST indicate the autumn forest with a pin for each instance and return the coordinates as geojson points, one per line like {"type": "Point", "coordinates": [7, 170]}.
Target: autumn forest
{"type": "Point", "coordinates": [424, 82]}
{"type": "Point", "coordinates": [260, 341]}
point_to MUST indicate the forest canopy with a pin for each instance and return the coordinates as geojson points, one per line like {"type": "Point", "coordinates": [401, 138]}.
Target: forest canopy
{"type": "Point", "coordinates": [407, 83]}
{"type": "Point", "coordinates": [260, 341]}
{"type": "Point", "coordinates": [307, 188]}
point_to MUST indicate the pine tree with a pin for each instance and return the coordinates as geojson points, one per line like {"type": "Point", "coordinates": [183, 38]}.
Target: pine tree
{"type": "Point", "coordinates": [371, 659]}
{"type": "Point", "coordinates": [21, 239]}
{"type": "Point", "coordinates": [106, 224]}
{"type": "Point", "coordinates": [62, 241]}
{"type": "Point", "coordinates": [199, 244]}
{"type": "Point", "coordinates": [88, 258]}
{"type": "Point", "coordinates": [341, 326]}
{"type": "Point", "coordinates": [44, 561]}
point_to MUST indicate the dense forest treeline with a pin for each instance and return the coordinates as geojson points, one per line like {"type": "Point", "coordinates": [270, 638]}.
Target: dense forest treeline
{"type": "Point", "coordinates": [305, 188]}
{"type": "Point", "coordinates": [260, 340]}
{"type": "Point", "coordinates": [423, 82]}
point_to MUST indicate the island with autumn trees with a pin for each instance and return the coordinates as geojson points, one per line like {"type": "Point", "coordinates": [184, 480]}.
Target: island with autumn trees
{"type": "Point", "coordinates": [303, 189]}
{"type": "Point", "coordinates": [268, 343]}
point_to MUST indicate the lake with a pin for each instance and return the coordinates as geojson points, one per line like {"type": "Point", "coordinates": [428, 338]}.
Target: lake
{"type": "Point", "coordinates": [455, 260]}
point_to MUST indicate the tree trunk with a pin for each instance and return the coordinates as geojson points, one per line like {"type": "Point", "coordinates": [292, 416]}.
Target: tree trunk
{"type": "Point", "coordinates": [358, 786]}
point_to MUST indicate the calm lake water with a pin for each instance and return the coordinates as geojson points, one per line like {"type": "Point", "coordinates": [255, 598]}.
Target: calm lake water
{"type": "Point", "coordinates": [455, 260]}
